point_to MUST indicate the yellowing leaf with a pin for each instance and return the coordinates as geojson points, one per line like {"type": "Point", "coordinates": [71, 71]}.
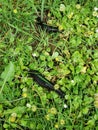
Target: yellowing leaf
{"type": "Point", "coordinates": [83, 70]}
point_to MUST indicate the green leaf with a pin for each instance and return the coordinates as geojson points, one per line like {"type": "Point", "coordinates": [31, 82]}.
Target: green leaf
{"type": "Point", "coordinates": [18, 110]}
{"type": "Point", "coordinates": [85, 110]}
{"type": "Point", "coordinates": [42, 57]}
{"type": "Point", "coordinates": [50, 64]}
{"type": "Point", "coordinates": [91, 122]}
{"type": "Point", "coordinates": [96, 54]}
{"type": "Point", "coordinates": [23, 122]}
{"type": "Point", "coordinates": [76, 57]}
{"type": "Point", "coordinates": [7, 75]}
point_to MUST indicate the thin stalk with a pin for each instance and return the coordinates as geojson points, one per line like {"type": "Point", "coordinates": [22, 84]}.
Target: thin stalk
{"type": "Point", "coordinates": [42, 9]}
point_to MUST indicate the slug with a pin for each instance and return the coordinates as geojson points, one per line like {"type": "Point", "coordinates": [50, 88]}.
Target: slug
{"type": "Point", "coordinates": [46, 27]}
{"type": "Point", "coordinates": [43, 82]}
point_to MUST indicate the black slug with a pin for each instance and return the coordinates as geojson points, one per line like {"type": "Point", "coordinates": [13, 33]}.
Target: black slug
{"type": "Point", "coordinates": [46, 27]}
{"type": "Point", "coordinates": [43, 82]}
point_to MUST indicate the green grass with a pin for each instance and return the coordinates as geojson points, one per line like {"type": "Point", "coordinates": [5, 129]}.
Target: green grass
{"type": "Point", "coordinates": [68, 59]}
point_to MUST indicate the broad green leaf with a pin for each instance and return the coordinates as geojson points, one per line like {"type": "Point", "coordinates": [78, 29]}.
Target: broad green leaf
{"type": "Point", "coordinates": [85, 110]}
{"type": "Point", "coordinates": [50, 64]}
{"type": "Point", "coordinates": [77, 57]}
{"type": "Point", "coordinates": [7, 75]}
{"type": "Point", "coordinates": [42, 57]}
{"type": "Point", "coordinates": [91, 122]}
{"type": "Point", "coordinates": [18, 110]}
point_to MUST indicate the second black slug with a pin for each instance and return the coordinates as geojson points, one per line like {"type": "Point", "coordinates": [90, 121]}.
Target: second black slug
{"type": "Point", "coordinates": [43, 82]}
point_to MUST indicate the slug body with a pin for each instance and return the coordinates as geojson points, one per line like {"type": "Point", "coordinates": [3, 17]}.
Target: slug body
{"type": "Point", "coordinates": [42, 81]}
{"type": "Point", "coordinates": [46, 27]}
